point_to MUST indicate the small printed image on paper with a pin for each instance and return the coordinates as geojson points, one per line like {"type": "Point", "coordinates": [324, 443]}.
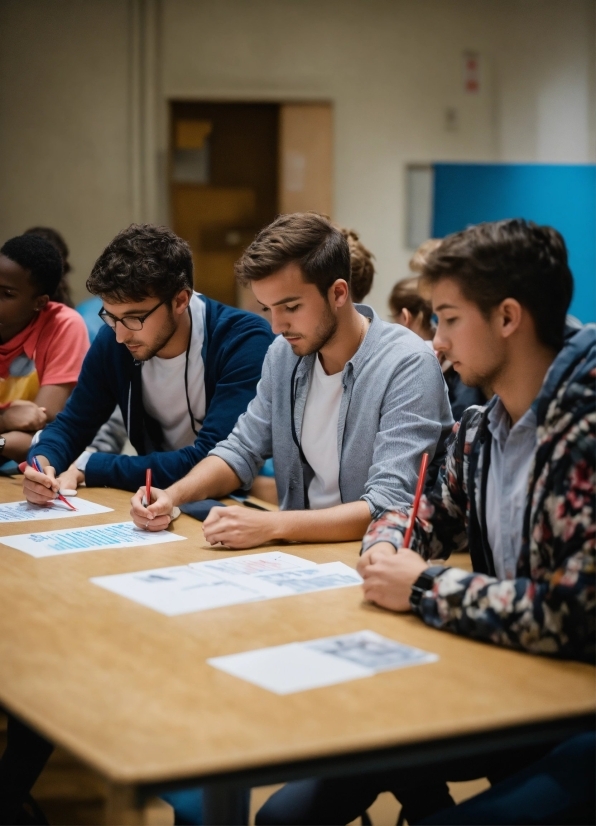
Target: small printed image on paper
{"type": "Point", "coordinates": [371, 651]}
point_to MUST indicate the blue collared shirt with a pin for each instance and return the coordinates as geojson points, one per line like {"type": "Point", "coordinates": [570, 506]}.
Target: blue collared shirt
{"type": "Point", "coordinates": [511, 458]}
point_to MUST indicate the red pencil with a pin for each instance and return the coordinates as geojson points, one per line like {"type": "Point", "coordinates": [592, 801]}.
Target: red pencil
{"type": "Point", "coordinates": [419, 486]}
{"type": "Point", "coordinates": [38, 468]}
{"type": "Point", "coordinates": [148, 486]}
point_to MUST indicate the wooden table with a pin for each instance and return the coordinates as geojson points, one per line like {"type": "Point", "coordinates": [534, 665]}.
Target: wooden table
{"type": "Point", "coordinates": [129, 692]}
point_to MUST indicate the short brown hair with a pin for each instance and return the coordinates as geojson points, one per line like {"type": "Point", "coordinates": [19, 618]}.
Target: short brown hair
{"type": "Point", "coordinates": [361, 264]}
{"type": "Point", "coordinates": [418, 260]}
{"type": "Point", "coordinates": [405, 295]}
{"type": "Point", "coordinates": [303, 238]}
{"type": "Point", "coordinates": [510, 259]}
{"type": "Point", "coordinates": [142, 261]}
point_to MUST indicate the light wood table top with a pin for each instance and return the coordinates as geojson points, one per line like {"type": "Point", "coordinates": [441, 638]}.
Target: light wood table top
{"type": "Point", "coordinates": [129, 691]}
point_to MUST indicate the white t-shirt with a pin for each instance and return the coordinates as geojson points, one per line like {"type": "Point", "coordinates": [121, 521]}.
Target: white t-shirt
{"type": "Point", "coordinates": [164, 396]}
{"type": "Point", "coordinates": [319, 436]}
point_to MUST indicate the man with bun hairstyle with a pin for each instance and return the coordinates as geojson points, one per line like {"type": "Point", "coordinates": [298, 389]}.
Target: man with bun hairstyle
{"type": "Point", "coordinates": [346, 404]}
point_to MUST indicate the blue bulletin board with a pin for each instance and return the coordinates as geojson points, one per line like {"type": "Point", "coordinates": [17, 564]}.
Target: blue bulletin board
{"type": "Point", "coordinates": [563, 196]}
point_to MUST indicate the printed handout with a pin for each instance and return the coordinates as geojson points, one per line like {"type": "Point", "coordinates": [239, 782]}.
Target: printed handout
{"type": "Point", "coordinates": [25, 511]}
{"type": "Point", "coordinates": [203, 585]}
{"type": "Point", "coordinates": [95, 538]}
{"type": "Point", "coordinates": [184, 589]}
{"type": "Point", "coordinates": [299, 666]}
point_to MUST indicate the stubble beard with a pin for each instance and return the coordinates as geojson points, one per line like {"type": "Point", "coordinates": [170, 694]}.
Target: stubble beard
{"type": "Point", "coordinates": [149, 352]}
{"type": "Point", "coordinates": [324, 333]}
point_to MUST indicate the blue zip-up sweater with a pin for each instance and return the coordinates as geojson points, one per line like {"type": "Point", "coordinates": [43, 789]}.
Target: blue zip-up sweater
{"type": "Point", "coordinates": [234, 346]}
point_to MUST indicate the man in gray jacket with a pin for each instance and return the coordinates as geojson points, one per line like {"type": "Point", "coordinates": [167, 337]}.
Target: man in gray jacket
{"type": "Point", "coordinates": [347, 404]}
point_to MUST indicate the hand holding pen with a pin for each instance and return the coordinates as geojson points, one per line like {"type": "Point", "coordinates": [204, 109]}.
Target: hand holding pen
{"type": "Point", "coordinates": [41, 491]}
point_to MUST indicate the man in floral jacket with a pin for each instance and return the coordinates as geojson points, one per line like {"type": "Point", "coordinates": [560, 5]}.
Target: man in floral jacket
{"type": "Point", "coordinates": [517, 487]}
{"type": "Point", "coordinates": [516, 491]}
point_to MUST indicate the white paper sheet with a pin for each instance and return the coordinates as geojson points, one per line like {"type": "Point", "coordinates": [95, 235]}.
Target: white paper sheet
{"type": "Point", "coordinates": [25, 511]}
{"type": "Point", "coordinates": [230, 581]}
{"type": "Point", "coordinates": [184, 589]}
{"type": "Point", "coordinates": [264, 563]}
{"type": "Point", "coordinates": [299, 666]}
{"type": "Point", "coordinates": [95, 538]}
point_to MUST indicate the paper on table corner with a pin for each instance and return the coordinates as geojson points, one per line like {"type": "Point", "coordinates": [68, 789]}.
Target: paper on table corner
{"type": "Point", "coordinates": [301, 666]}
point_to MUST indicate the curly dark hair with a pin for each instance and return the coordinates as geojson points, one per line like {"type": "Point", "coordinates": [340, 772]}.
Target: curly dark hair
{"type": "Point", "coordinates": [63, 292]}
{"type": "Point", "coordinates": [361, 264]}
{"type": "Point", "coordinates": [142, 261]}
{"type": "Point", "coordinates": [39, 257]}
{"type": "Point", "coordinates": [509, 259]}
{"type": "Point", "coordinates": [304, 238]}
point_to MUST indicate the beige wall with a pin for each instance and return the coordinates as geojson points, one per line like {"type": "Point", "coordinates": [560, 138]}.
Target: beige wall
{"type": "Point", "coordinates": [64, 122]}
{"type": "Point", "coordinates": [84, 85]}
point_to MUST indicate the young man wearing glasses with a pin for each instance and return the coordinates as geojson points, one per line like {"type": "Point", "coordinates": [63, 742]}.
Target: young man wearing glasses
{"type": "Point", "coordinates": [180, 366]}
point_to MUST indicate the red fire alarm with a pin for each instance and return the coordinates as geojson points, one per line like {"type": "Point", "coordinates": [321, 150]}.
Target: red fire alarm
{"type": "Point", "coordinates": [471, 66]}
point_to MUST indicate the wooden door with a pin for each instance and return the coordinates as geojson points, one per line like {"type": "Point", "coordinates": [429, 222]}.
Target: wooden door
{"type": "Point", "coordinates": [306, 158]}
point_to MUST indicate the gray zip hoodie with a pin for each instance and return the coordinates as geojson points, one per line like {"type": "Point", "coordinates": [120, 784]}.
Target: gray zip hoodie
{"type": "Point", "coordinates": [394, 407]}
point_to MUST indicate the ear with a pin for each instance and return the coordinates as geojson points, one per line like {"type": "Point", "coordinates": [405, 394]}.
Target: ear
{"type": "Point", "coordinates": [406, 318]}
{"type": "Point", "coordinates": [339, 293]}
{"type": "Point", "coordinates": [509, 314]}
{"type": "Point", "coordinates": [182, 300]}
{"type": "Point", "coordinates": [40, 302]}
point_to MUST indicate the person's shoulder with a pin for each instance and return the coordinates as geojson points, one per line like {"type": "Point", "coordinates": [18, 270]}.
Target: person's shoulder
{"type": "Point", "coordinates": [401, 341]}
{"type": "Point", "coordinates": [63, 331]}
{"type": "Point", "coordinates": [55, 314]}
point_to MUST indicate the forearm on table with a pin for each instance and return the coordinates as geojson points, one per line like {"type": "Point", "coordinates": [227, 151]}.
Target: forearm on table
{"type": "Point", "coordinates": [17, 445]}
{"type": "Point", "coordinates": [210, 479]}
{"type": "Point", "coordinates": [343, 523]}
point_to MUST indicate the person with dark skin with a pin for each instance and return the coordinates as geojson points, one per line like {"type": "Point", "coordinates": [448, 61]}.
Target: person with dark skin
{"type": "Point", "coordinates": [63, 293]}
{"type": "Point", "coordinates": [42, 343]}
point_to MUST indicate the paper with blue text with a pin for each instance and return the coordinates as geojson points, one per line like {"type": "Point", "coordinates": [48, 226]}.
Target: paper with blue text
{"type": "Point", "coordinates": [94, 538]}
{"type": "Point", "coordinates": [26, 511]}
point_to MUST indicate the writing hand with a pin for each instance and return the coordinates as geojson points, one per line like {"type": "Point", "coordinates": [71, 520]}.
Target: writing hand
{"type": "Point", "coordinates": [40, 488]}
{"type": "Point", "coordinates": [158, 515]}
{"type": "Point", "coordinates": [388, 579]}
{"type": "Point", "coordinates": [374, 553]}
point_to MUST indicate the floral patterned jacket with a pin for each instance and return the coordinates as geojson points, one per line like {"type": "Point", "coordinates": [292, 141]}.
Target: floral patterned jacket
{"type": "Point", "coordinates": [549, 607]}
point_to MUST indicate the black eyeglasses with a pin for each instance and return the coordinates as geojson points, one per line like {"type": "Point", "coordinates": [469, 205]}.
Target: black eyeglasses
{"type": "Point", "coordinates": [133, 322]}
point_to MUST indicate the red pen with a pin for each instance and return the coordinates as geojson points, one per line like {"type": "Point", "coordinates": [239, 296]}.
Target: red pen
{"type": "Point", "coordinates": [419, 487]}
{"type": "Point", "coordinates": [59, 496]}
{"type": "Point", "coordinates": [148, 486]}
